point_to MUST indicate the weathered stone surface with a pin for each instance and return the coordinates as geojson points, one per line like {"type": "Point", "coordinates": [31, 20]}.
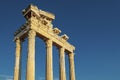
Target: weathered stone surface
{"type": "Point", "coordinates": [39, 23]}
{"type": "Point", "coordinates": [62, 64]}
{"type": "Point", "coordinates": [30, 75]}
{"type": "Point", "coordinates": [17, 60]}
{"type": "Point", "coordinates": [72, 68]}
{"type": "Point", "coordinates": [49, 62]}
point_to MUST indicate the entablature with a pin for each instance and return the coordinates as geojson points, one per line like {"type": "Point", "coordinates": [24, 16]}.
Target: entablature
{"type": "Point", "coordinates": [58, 40]}
{"type": "Point", "coordinates": [38, 22]}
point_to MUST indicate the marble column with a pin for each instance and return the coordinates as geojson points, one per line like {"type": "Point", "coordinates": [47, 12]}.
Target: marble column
{"type": "Point", "coordinates": [49, 63]}
{"type": "Point", "coordinates": [30, 75]}
{"type": "Point", "coordinates": [72, 68]}
{"type": "Point", "coordinates": [17, 60]}
{"type": "Point", "coordinates": [62, 64]}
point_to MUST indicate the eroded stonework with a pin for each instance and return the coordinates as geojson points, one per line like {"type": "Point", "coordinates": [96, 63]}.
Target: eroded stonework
{"type": "Point", "coordinates": [39, 23]}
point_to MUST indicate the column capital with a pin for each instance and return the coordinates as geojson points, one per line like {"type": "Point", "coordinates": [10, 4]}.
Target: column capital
{"type": "Point", "coordinates": [31, 34]}
{"type": "Point", "coordinates": [19, 40]}
{"type": "Point", "coordinates": [48, 43]}
{"type": "Point", "coordinates": [18, 46]}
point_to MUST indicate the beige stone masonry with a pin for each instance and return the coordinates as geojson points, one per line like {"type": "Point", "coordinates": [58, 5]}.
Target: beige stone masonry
{"type": "Point", "coordinates": [30, 75]}
{"type": "Point", "coordinates": [62, 64]}
{"type": "Point", "coordinates": [39, 24]}
{"type": "Point", "coordinates": [72, 68]}
{"type": "Point", "coordinates": [49, 63]}
{"type": "Point", "coordinates": [17, 60]}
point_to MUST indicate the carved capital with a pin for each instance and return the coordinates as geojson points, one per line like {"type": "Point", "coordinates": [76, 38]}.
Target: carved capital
{"type": "Point", "coordinates": [49, 43]}
{"type": "Point", "coordinates": [31, 34]}
{"type": "Point", "coordinates": [18, 42]}
{"type": "Point", "coordinates": [18, 46]}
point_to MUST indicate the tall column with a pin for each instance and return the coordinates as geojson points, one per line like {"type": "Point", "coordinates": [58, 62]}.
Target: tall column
{"type": "Point", "coordinates": [62, 64]}
{"type": "Point", "coordinates": [72, 68]}
{"type": "Point", "coordinates": [31, 56]}
{"type": "Point", "coordinates": [49, 63]}
{"type": "Point", "coordinates": [17, 60]}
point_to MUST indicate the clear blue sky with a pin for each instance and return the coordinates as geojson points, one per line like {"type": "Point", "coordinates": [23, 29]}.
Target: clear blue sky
{"type": "Point", "coordinates": [92, 25]}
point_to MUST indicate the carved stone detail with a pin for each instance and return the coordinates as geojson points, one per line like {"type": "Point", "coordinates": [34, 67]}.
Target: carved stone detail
{"type": "Point", "coordinates": [56, 31]}
{"type": "Point", "coordinates": [49, 43]}
{"type": "Point", "coordinates": [39, 23]}
{"type": "Point", "coordinates": [31, 34]}
{"type": "Point", "coordinates": [65, 37]}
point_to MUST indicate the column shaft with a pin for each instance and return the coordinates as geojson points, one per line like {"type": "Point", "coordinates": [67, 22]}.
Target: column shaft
{"type": "Point", "coordinates": [49, 64]}
{"type": "Point", "coordinates": [72, 68]}
{"type": "Point", "coordinates": [62, 64]}
{"type": "Point", "coordinates": [17, 60]}
{"type": "Point", "coordinates": [30, 75]}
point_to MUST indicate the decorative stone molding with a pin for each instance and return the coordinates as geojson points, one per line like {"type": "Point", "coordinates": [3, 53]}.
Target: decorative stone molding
{"type": "Point", "coordinates": [56, 31]}
{"type": "Point", "coordinates": [31, 34]}
{"type": "Point", "coordinates": [31, 8]}
{"type": "Point", "coordinates": [20, 29]}
{"type": "Point", "coordinates": [48, 43]}
{"type": "Point", "coordinates": [65, 37]}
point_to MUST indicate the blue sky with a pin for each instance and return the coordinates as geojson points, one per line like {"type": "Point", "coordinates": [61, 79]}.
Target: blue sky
{"type": "Point", "coordinates": [92, 25]}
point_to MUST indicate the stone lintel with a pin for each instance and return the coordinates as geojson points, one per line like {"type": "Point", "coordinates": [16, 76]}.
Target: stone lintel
{"type": "Point", "coordinates": [38, 12]}
{"type": "Point", "coordinates": [47, 14]}
{"type": "Point", "coordinates": [68, 47]}
{"type": "Point", "coordinates": [41, 33]}
{"type": "Point", "coordinates": [57, 40]}
{"type": "Point", "coordinates": [21, 32]}
{"type": "Point", "coordinates": [20, 29]}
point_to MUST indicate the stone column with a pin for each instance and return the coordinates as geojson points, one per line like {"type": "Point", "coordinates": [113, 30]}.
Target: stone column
{"type": "Point", "coordinates": [62, 64]}
{"type": "Point", "coordinates": [31, 56]}
{"type": "Point", "coordinates": [17, 60]}
{"type": "Point", "coordinates": [72, 68]}
{"type": "Point", "coordinates": [49, 63]}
